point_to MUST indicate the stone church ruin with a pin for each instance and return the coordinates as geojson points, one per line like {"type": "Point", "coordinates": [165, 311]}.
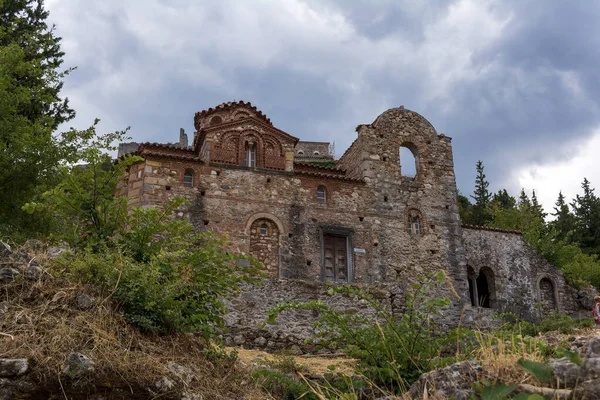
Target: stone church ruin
{"type": "Point", "coordinates": [362, 218]}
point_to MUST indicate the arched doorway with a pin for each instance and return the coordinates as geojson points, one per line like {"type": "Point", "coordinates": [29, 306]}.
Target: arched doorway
{"type": "Point", "coordinates": [546, 294]}
{"type": "Point", "coordinates": [264, 244]}
{"type": "Point", "coordinates": [486, 288]}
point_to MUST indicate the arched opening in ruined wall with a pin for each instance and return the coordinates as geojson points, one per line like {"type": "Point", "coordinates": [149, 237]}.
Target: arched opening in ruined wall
{"type": "Point", "coordinates": [472, 279]}
{"type": "Point", "coordinates": [409, 160]}
{"type": "Point", "coordinates": [264, 244]}
{"type": "Point", "coordinates": [547, 296]}
{"type": "Point", "coordinates": [486, 288]}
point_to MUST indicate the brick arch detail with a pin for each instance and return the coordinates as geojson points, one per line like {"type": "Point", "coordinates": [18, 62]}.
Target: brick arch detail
{"type": "Point", "coordinates": [260, 147]}
{"type": "Point", "coordinates": [263, 215]}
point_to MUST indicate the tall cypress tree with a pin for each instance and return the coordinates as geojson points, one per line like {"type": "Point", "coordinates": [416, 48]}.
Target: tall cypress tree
{"type": "Point", "coordinates": [480, 214]}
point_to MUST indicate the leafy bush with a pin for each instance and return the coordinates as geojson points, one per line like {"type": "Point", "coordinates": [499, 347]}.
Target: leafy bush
{"type": "Point", "coordinates": [391, 353]}
{"type": "Point", "coordinates": [165, 276]}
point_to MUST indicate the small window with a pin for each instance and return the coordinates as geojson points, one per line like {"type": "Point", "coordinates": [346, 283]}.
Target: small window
{"type": "Point", "coordinates": [300, 152]}
{"type": "Point", "coordinates": [316, 153]}
{"type": "Point", "coordinates": [216, 120]}
{"type": "Point", "coordinates": [250, 155]}
{"type": "Point", "coordinates": [322, 194]}
{"type": "Point", "coordinates": [264, 230]}
{"type": "Point", "coordinates": [414, 224]}
{"type": "Point", "coordinates": [188, 178]}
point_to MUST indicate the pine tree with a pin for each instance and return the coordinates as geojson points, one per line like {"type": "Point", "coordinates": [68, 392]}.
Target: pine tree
{"type": "Point", "coordinates": [480, 214]}
{"type": "Point", "coordinates": [504, 200]}
{"type": "Point", "coordinates": [30, 108]}
{"type": "Point", "coordinates": [564, 221]}
{"type": "Point", "coordinates": [524, 203]}
{"type": "Point", "coordinates": [586, 209]}
{"type": "Point", "coordinates": [537, 208]}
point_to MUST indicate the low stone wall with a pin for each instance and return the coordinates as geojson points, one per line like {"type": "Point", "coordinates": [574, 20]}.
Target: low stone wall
{"type": "Point", "coordinates": [247, 319]}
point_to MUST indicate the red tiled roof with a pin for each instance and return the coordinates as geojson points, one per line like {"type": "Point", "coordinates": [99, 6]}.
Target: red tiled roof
{"type": "Point", "coordinates": [230, 104]}
{"type": "Point", "coordinates": [328, 176]}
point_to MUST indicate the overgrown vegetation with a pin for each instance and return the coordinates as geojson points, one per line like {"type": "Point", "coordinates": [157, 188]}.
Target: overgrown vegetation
{"type": "Point", "coordinates": [391, 351]}
{"type": "Point", "coordinates": [571, 241]}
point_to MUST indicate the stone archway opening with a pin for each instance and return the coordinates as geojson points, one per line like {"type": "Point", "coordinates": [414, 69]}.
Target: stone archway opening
{"type": "Point", "coordinates": [547, 294]}
{"type": "Point", "coordinates": [264, 244]}
{"type": "Point", "coordinates": [486, 288]}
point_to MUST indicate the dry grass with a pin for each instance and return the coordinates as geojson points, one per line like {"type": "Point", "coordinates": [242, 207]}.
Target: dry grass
{"type": "Point", "coordinates": [40, 322]}
{"type": "Point", "coordinates": [313, 365]}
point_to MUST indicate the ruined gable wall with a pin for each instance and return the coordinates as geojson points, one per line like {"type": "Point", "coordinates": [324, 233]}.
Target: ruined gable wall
{"type": "Point", "coordinates": [432, 192]}
{"type": "Point", "coordinates": [519, 273]}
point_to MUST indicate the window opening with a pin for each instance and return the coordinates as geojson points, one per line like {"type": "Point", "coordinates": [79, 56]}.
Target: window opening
{"type": "Point", "coordinates": [414, 224]}
{"type": "Point", "coordinates": [264, 230]}
{"type": "Point", "coordinates": [408, 162]}
{"type": "Point", "coordinates": [322, 193]}
{"type": "Point", "coordinates": [300, 152]}
{"type": "Point", "coordinates": [316, 153]}
{"type": "Point", "coordinates": [250, 155]}
{"type": "Point", "coordinates": [188, 178]}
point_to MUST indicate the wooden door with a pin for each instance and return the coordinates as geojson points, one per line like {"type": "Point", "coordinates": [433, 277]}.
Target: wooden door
{"type": "Point", "coordinates": [336, 258]}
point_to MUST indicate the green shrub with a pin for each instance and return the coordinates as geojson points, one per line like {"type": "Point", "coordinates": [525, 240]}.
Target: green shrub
{"type": "Point", "coordinates": [166, 277]}
{"type": "Point", "coordinates": [391, 353]}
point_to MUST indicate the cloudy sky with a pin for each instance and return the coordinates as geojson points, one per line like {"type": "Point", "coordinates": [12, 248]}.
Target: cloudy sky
{"type": "Point", "coordinates": [514, 83]}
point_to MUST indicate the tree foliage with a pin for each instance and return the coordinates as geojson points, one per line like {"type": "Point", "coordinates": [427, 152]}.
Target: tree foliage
{"type": "Point", "coordinates": [30, 109]}
{"type": "Point", "coordinates": [571, 241]}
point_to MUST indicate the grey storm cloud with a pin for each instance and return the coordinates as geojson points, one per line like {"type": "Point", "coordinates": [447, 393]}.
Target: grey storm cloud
{"type": "Point", "coordinates": [512, 82]}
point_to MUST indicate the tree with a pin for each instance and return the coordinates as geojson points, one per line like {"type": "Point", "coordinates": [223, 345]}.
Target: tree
{"type": "Point", "coordinates": [464, 207]}
{"type": "Point", "coordinates": [30, 108]}
{"type": "Point", "coordinates": [536, 207]}
{"type": "Point", "coordinates": [504, 200]}
{"type": "Point", "coordinates": [586, 209]}
{"type": "Point", "coordinates": [564, 222]}
{"type": "Point", "coordinates": [480, 210]}
{"type": "Point", "coordinates": [524, 203]}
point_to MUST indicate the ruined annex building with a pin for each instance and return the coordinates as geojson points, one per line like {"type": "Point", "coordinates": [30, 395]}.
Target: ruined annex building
{"type": "Point", "coordinates": [312, 219]}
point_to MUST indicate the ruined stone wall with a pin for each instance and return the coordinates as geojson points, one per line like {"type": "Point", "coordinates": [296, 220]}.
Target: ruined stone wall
{"type": "Point", "coordinates": [521, 281]}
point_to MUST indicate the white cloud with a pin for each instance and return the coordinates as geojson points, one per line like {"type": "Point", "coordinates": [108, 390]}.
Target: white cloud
{"type": "Point", "coordinates": [566, 176]}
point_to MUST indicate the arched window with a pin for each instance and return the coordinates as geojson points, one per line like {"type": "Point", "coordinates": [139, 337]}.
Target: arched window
{"type": "Point", "coordinates": [322, 194]}
{"type": "Point", "coordinates": [250, 155]}
{"type": "Point", "coordinates": [414, 222]}
{"type": "Point", "coordinates": [188, 178]}
{"type": "Point", "coordinates": [408, 160]}
{"type": "Point", "coordinates": [216, 120]}
{"type": "Point", "coordinates": [300, 152]}
{"type": "Point", "coordinates": [264, 230]}
{"type": "Point", "coordinates": [316, 153]}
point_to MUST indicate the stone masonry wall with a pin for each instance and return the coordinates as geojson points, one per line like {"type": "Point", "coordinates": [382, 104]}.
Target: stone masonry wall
{"type": "Point", "coordinates": [523, 281]}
